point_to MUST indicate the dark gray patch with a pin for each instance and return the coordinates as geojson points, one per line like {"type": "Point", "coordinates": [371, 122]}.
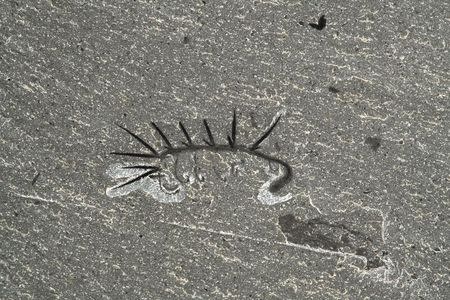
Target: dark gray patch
{"type": "Point", "coordinates": [320, 233]}
{"type": "Point", "coordinates": [373, 142]}
{"type": "Point", "coordinates": [35, 178]}
{"type": "Point", "coordinates": [333, 90]}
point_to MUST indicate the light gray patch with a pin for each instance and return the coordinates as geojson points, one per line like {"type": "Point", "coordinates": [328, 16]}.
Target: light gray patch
{"type": "Point", "coordinates": [165, 189]}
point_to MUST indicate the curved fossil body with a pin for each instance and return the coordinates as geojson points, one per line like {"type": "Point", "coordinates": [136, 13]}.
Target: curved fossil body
{"type": "Point", "coordinates": [152, 171]}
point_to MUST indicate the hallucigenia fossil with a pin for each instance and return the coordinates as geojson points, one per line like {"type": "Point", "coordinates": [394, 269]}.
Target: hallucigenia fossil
{"type": "Point", "coordinates": [189, 146]}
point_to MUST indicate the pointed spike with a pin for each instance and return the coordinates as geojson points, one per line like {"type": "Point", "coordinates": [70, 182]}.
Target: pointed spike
{"type": "Point", "coordinates": [141, 167]}
{"type": "Point", "coordinates": [164, 137]}
{"type": "Point", "coordinates": [156, 176]}
{"type": "Point", "coordinates": [230, 141]}
{"type": "Point", "coordinates": [148, 173]}
{"type": "Point", "coordinates": [265, 135]}
{"type": "Point", "coordinates": [148, 146]}
{"type": "Point", "coordinates": [208, 143]}
{"type": "Point", "coordinates": [186, 134]}
{"type": "Point", "coordinates": [144, 155]}
{"type": "Point", "coordinates": [210, 136]}
{"type": "Point", "coordinates": [233, 128]}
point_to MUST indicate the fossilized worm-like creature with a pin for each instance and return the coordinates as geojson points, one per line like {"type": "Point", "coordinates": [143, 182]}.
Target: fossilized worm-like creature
{"type": "Point", "coordinates": [188, 146]}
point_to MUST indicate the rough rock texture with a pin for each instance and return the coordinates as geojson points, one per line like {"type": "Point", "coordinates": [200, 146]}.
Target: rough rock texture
{"type": "Point", "coordinates": [364, 106]}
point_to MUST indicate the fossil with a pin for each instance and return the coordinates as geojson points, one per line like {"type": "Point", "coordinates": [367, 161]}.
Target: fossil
{"type": "Point", "coordinates": [153, 169]}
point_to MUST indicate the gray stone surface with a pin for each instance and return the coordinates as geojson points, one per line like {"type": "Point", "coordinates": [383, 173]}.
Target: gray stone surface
{"type": "Point", "coordinates": [364, 105]}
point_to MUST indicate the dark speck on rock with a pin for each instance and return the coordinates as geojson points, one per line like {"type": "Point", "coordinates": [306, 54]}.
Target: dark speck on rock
{"type": "Point", "coordinates": [333, 90]}
{"type": "Point", "coordinates": [373, 142]}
